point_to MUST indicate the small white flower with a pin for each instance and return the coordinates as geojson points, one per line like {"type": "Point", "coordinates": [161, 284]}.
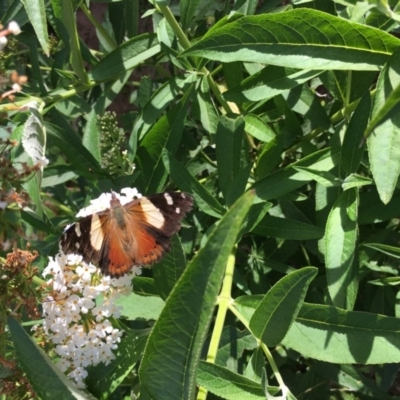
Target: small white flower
{"type": "Point", "coordinates": [85, 271]}
{"type": "Point", "coordinates": [3, 42]}
{"type": "Point", "coordinates": [63, 364]}
{"type": "Point", "coordinates": [16, 87]}
{"type": "Point", "coordinates": [14, 28]}
{"type": "Point", "coordinates": [86, 305]}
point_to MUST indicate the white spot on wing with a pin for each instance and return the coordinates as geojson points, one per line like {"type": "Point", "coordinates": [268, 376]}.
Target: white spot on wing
{"type": "Point", "coordinates": [152, 214]}
{"type": "Point", "coordinates": [78, 230]}
{"type": "Point", "coordinates": [177, 210]}
{"type": "Point", "coordinates": [77, 245]}
{"type": "Point", "coordinates": [96, 233]}
{"type": "Point", "coordinates": [169, 199]}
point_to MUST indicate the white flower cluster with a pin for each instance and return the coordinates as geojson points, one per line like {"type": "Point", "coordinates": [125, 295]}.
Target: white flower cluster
{"type": "Point", "coordinates": [76, 316]}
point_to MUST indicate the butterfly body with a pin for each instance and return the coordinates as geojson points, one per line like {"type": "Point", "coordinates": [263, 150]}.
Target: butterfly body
{"type": "Point", "coordinates": [124, 235]}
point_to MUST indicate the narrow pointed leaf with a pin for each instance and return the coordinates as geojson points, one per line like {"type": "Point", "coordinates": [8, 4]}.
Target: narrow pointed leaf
{"type": "Point", "coordinates": [287, 228]}
{"type": "Point", "coordinates": [65, 12]}
{"type": "Point", "coordinates": [187, 11]}
{"type": "Point", "coordinates": [167, 272]}
{"type": "Point", "coordinates": [37, 16]}
{"type": "Point", "coordinates": [305, 37]}
{"type": "Point", "coordinates": [257, 128]}
{"type": "Point", "coordinates": [384, 141]}
{"type": "Point", "coordinates": [208, 115]}
{"type": "Point", "coordinates": [126, 57]}
{"type": "Point", "coordinates": [228, 146]}
{"type": "Point", "coordinates": [46, 379]}
{"type": "Point", "coordinates": [344, 337]}
{"type": "Point", "coordinates": [279, 307]}
{"type": "Point", "coordinates": [168, 368]}
{"type": "Point", "coordinates": [286, 180]}
{"type": "Point", "coordinates": [353, 148]}
{"type": "Point", "coordinates": [340, 247]}
{"type": "Point", "coordinates": [268, 83]}
{"type": "Point", "coordinates": [228, 384]}
{"type": "Point", "coordinates": [166, 134]}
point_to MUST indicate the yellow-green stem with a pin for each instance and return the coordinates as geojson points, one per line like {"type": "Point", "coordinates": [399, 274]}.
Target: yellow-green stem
{"type": "Point", "coordinates": [224, 300]}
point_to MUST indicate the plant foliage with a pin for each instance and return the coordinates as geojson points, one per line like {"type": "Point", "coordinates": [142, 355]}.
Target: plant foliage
{"type": "Point", "coordinates": [282, 120]}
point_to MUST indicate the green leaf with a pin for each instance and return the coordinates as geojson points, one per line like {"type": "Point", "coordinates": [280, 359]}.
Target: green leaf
{"type": "Point", "coordinates": [287, 229]}
{"type": "Point", "coordinates": [353, 146]}
{"type": "Point", "coordinates": [207, 114]}
{"type": "Point", "coordinates": [279, 307]}
{"type": "Point", "coordinates": [228, 145]}
{"type": "Point", "coordinates": [187, 183]}
{"type": "Point", "coordinates": [37, 220]}
{"type": "Point", "coordinates": [165, 135]}
{"type": "Point", "coordinates": [144, 286]}
{"type": "Point", "coordinates": [268, 83]}
{"type": "Point", "coordinates": [384, 142]}
{"type": "Point", "coordinates": [288, 179]}
{"type": "Point", "coordinates": [340, 249]}
{"type": "Point", "coordinates": [227, 384]}
{"type": "Point", "coordinates": [91, 135]}
{"type": "Point", "coordinates": [254, 217]}
{"type": "Point", "coordinates": [167, 272]}
{"type": "Point", "coordinates": [323, 177]}
{"type": "Point", "coordinates": [79, 157]}
{"type": "Point", "coordinates": [238, 185]}
{"type": "Point", "coordinates": [103, 379]}
{"type": "Point", "coordinates": [305, 102]}
{"type": "Point", "coordinates": [140, 307]}
{"type": "Point", "coordinates": [160, 100]}
{"type": "Point", "coordinates": [232, 345]}
{"type": "Point", "coordinates": [255, 367]}
{"type": "Point", "coordinates": [179, 334]}
{"type": "Point", "coordinates": [56, 175]}
{"type": "Point", "coordinates": [384, 248]}
{"type": "Point", "coordinates": [257, 128]}
{"type": "Point", "coordinates": [187, 12]}
{"type": "Point", "coordinates": [125, 57]}
{"type": "Point", "coordinates": [289, 39]}
{"type": "Point", "coordinates": [344, 337]}
{"type": "Point", "coordinates": [355, 180]}
{"type": "Point", "coordinates": [37, 17]}
{"type": "Point", "coordinates": [46, 379]}
{"type": "Point", "coordinates": [64, 12]}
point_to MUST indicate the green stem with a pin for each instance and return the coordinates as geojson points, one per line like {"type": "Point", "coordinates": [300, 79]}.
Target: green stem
{"type": "Point", "coordinates": [185, 43]}
{"type": "Point", "coordinates": [104, 34]}
{"type": "Point", "coordinates": [265, 349]}
{"type": "Point", "coordinates": [224, 301]}
{"type": "Point", "coordinates": [183, 40]}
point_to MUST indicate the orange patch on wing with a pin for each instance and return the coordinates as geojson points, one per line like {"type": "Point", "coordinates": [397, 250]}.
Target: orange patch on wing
{"type": "Point", "coordinates": [147, 250]}
{"type": "Point", "coordinates": [119, 261]}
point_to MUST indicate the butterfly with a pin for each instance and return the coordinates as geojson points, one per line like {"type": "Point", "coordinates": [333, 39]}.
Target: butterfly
{"type": "Point", "coordinates": [124, 235]}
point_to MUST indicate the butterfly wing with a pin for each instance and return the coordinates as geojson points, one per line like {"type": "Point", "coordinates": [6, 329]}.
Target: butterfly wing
{"type": "Point", "coordinates": [137, 233]}
{"type": "Point", "coordinates": [149, 224]}
{"type": "Point", "coordinates": [77, 239]}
